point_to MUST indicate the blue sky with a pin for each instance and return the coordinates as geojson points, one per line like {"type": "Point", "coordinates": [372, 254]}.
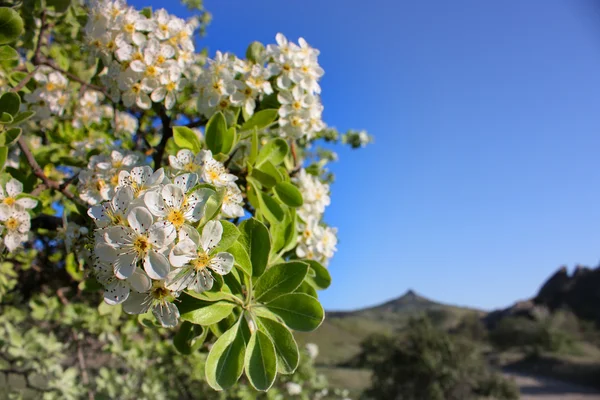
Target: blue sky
{"type": "Point", "coordinates": [484, 176]}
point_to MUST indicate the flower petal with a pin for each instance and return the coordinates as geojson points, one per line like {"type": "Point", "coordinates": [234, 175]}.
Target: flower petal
{"type": "Point", "coordinates": [27, 202]}
{"type": "Point", "coordinates": [124, 265]}
{"type": "Point", "coordinates": [137, 303]}
{"type": "Point", "coordinates": [211, 235]}
{"type": "Point", "coordinates": [14, 187]}
{"type": "Point", "coordinates": [116, 292]}
{"type": "Point", "coordinates": [156, 265]}
{"type": "Point", "coordinates": [221, 263]}
{"type": "Point", "coordinates": [140, 219]}
{"type": "Point", "coordinates": [167, 314]}
{"type": "Point", "coordinates": [139, 281]}
{"type": "Point", "coordinates": [155, 203]}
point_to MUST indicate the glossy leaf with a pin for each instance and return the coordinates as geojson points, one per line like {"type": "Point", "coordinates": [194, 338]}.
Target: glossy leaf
{"type": "Point", "coordinates": [254, 236]}
{"type": "Point", "coordinates": [8, 53]}
{"type": "Point", "coordinates": [260, 120]}
{"type": "Point", "coordinates": [225, 362]}
{"type": "Point", "coordinates": [216, 133]}
{"type": "Point", "coordinates": [320, 277]}
{"type": "Point", "coordinates": [280, 279]}
{"type": "Point", "coordinates": [201, 312]}
{"type": "Point", "coordinates": [10, 103]}
{"type": "Point", "coordinates": [11, 25]}
{"type": "Point", "coordinates": [286, 347]}
{"type": "Point", "coordinates": [274, 151]}
{"type": "Point", "coordinates": [186, 138]}
{"type": "Point", "coordinates": [289, 194]}
{"type": "Point", "coordinates": [298, 311]}
{"type": "Point", "coordinates": [230, 235]}
{"type": "Point", "coordinates": [261, 361]}
{"type": "Point", "coordinates": [241, 257]}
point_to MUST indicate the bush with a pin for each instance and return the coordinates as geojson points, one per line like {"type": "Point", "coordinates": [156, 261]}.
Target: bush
{"type": "Point", "coordinates": [428, 364]}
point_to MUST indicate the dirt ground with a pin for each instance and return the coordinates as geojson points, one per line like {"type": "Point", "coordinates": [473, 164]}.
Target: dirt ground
{"type": "Point", "coordinates": [537, 388]}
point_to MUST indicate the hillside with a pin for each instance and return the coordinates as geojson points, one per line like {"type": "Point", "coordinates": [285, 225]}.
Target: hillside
{"type": "Point", "coordinates": [342, 332]}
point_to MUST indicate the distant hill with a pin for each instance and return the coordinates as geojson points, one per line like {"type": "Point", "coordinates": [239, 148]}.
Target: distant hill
{"type": "Point", "coordinates": [342, 332]}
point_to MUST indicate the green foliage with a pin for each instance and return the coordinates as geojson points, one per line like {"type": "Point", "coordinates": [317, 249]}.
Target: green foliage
{"type": "Point", "coordinates": [260, 361]}
{"type": "Point", "coordinates": [186, 138]}
{"type": "Point", "coordinates": [11, 25]}
{"type": "Point", "coordinates": [427, 364]}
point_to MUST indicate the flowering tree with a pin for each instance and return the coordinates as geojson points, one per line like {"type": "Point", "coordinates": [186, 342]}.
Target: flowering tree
{"type": "Point", "coordinates": [185, 188]}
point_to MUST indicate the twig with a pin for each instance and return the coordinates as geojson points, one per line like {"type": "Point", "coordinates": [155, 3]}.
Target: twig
{"type": "Point", "coordinates": [49, 63]}
{"type": "Point", "coordinates": [167, 134]}
{"type": "Point", "coordinates": [25, 80]}
{"type": "Point", "coordinates": [37, 170]}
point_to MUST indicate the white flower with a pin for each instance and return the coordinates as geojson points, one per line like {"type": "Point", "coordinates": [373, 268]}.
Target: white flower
{"type": "Point", "coordinates": [159, 299]}
{"type": "Point", "coordinates": [17, 224]}
{"type": "Point", "coordinates": [142, 241]}
{"type": "Point", "coordinates": [192, 260]}
{"type": "Point", "coordinates": [116, 290]}
{"type": "Point", "coordinates": [171, 83]}
{"type": "Point", "coordinates": [126, 123]}
{"type": "Point", "coordinates": [93, 187]}
{"type": "Point", "coordinates": [175, 205]}
{"type": "Point", "coordinates": [141, 179]}
{"type": "Point", "coordinates": [13, 189]}
{"type": "Point", "coordinates": [186, 161]}
{"type": "Point", "coordinates": [312, 349]}
{"type": "Point", "coordinates": [213, 171]}
{"type": "Point", "coordinates": [113, 212]}
{"type": "Point", "coordinates": [293, 388]}
{"type": "Point", "coordinates": [232, 202]}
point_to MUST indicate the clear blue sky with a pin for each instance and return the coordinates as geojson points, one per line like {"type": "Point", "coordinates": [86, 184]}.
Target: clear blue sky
{"type": "Point", "coordinates": [484, 177]}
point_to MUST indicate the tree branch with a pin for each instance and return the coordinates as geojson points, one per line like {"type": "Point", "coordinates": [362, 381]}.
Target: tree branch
{"type": "Point", "coordinates": [37, 170]}
{"type": "Point", "coordinates": [167, 134]}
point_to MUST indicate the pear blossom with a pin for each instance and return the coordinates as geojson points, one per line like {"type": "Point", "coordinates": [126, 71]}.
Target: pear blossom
{"type": "Point", "coordinates": [176, 206]}
{"type": "Point", "coordinates": [186, 161]}
{"type": "Point", "coordinates": [192, 260]}
{"type": "Point", "coordinates": [141, 179]}
{"type": "Point", "coordinates": [141, 241]}
{"type": "Point", "coordinates": [17, 224]}
{"type": "Point", "coordinates": [233, 202]}
{"type": "Point", "coordinates": [213, 171]}
{"type": "Point", "coordinates": [116, 290]}
{"type": "Point", "coordinates": [159, 299]}
{"type": "Point", "coordinates": [9, 198]}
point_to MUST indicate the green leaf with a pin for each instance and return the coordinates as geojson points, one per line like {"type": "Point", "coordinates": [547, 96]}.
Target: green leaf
{"type": "Point", "coordinates": [225, 362]}
{"type": "Point", "coordinates": [201, 312]}
{"type": "Point", "coordinates": [11, 25]}
{"type": "Point", "coordinates": [307, 288]}
{"type": "Point", "coordinates": [271, 208]}
{"type": "Point", "coordinates": [289, 194]}
{"type": "Point", "coordinates": [280, 279]}
{"type": "Point", "coordinates": [257, 242]}
{"type": "Point", "coordinates": [230, 235]}
{"type": "Point", "coordinates": [260, 120]}
{"type": "Point", "coordinates": [10, 102]}
{"type": "Point", "coordinates": [299, 311]}
{"type": "Point", "coordinates": [268, 175]}
{"type": "Point", "coordinates": [216, 133]}
{"type": "Point", "coordinates": [253, 147]}
{"type": "Point", "coordinates": [22, 117]}
{"type": "Point", "coordinates": [189, 338]}
{"type": "Point", "coordinates": [60, 6]}
{"type": "Point", "coordinates": [274, 151]}
{"type": "Point", "coordinates": [186, 138]}
{"type": "Point", "coordinates": [286, 347]}
{"type": "Point", "coordinates": [261, 361]}
{"type": "Point", "coordinates": [241, 257]}
{"type": "Point", "coordinates": [8, 53]}
{"type": "Point", "coordinates": [6, 118]}
{"type": "Point", "coordinates": [3, 156]}
{"type": "Point", "coordinates": [146, 12]}
{"type": "Point", "coordinates": [72, 267]}
{"type": "Point", "coordinates": [10, 136]}
{"type": "Point", "coordinates": [320, 277]}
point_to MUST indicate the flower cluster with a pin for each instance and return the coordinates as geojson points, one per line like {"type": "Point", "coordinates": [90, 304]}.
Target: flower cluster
{"type": "Point", "coordinates": [14, 216]}
{"type": "Point", "coordinates": [90, 109]}
{"type": "Point", "coordinates": [146, 244]}
{"type": "Point", "coordinates": [231, 82]}
{"type": "Point", "coordinates": [98, 182]}
{"type": "Point", "coordinates": [215, 173]}
{"type": "Point", "coordinates": [146, 56]}
{"type": "Point", "coordinates": [316, 241]}
{"type": "Point", "coordinates": [51, 95]}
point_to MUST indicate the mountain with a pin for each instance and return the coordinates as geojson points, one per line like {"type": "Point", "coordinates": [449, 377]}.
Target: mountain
{"type": "Point", "coordinates": [341, 333]}
{"type": "Point", "coordinates": [578, 292]}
